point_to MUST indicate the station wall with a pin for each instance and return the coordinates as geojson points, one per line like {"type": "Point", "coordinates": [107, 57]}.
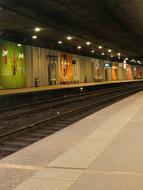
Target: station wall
{"type": "Point", "coordinates": [22, 66]}
{"type": "Point", "coordinates": [39, 66]}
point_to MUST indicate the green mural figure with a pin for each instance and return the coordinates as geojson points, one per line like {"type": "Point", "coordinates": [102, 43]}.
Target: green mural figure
{"type": "Point", "coordinates": [13, 67]}
{"type": "Point", "coordinates": [14, 60]}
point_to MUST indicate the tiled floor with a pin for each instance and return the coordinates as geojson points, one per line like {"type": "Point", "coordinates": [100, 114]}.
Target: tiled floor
{"type": "Point", "coordinates": [102, 151]}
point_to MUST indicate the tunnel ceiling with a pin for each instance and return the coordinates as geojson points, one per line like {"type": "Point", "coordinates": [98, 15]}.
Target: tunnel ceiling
{"type": "Point", "coordinates": [115, 24]}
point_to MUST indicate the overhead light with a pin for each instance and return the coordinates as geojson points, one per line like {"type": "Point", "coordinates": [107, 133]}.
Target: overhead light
{"type": "Point", "coordinates": [88, 43]}
{"type": "Point", "coordinates": [69, 38]}
{"type": "Point", "coordinates": [119, 55]}
{"type": "Point", "coordinates": [37, 29]}
{"type": "Point", "coordinates": [112, 55]}
{"type": "Point", "coordinates": [133, 60]}
{"type": "Point", "coordinates": [34, 37]}
{"type": "Point", "coordinates": [100, 47]}
{"type": "Point", "coordinates": [109, 50]}
{"type": "Point", "coordinates": [79, 47]}
{"type": "Point", "coordinates": [139, 62]}
{"type": "Point", "coordinates": [102, 53]}
{"type": "Point", "coordinates": [19, 45]}
{"type": "Point", "coordinates": [60, 42]}
{"type": "Point", "coordinates": [92, 51]}
{"type": "Point", "coordinates": [125, 61]}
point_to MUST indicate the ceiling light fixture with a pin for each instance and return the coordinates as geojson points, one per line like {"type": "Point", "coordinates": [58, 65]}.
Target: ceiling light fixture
{"type": "Point", "coordinates": [79, 47]}
{"type": "Point", "coordinates": [19, 45]}
{"type": "Point", "coordinates": [37, 29]}
{"type": "Point", "coordinates": [69, 38]}
{"type": "Point", "coordinates": [100, 47]}
{"type": "Point", "coordinates": [119, 55]}
{"type": "Point", "coordinates": [109, 50]}
{"type": "Point", "coordinates": [133, 60]}
{"type": "Point", "coordinates": [34, 37]}
{"type": "Point", "coordinates": [88, 43]}
{"type": "Point", "coordinates": [92, 51]}
{"type": "Point", "coordinates": [139, 62]}
{"type": "Point", "coordinates": [60, 42]}
{"type": "Point", "coordinates": [102, 53]}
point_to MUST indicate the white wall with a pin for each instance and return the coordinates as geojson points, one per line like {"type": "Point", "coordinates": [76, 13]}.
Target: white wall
{"type": "Point", "coordinates": [84, 67]}
{"type": "Point", "coordinates": [37, 64]}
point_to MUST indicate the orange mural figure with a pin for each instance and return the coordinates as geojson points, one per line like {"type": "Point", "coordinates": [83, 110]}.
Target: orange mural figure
{"type": "Point", "coordinates": [128, 72]}
{"type": "Point", "coordinates": [64, 66]}
{"type": "Point", "coordinates": [114, 72]}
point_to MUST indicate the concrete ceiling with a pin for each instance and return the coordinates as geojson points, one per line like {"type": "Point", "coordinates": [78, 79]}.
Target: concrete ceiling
{"type": "Point", "coordinates": [116, 24]}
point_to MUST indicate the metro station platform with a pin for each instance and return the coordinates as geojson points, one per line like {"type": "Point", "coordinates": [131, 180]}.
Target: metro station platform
{"type": "Point", "coordinates": [61, 86]}
{"type": "Point", "coordinates": [24, 96]}
{"type": "Point", "coordinates": [101, 151]}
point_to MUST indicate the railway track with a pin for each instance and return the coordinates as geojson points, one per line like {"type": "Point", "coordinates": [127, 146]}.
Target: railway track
{"type": "Point", "coordinates": [13, 112]}
{"type": "Point", "coordinates": [32, 115]}
{"type": "Point", "coordinates": [59, 115]}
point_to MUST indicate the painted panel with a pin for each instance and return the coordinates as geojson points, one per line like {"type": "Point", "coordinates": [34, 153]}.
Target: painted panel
{"type": "Point", "coordinates": [138, 72]}
{"type": "Point", "coordinates": [128, 70]}
{"type": "Point", "coordinates": [66, 70]}
{"type": "Point", "coordinates": [13, 68]}
{"type": "Point", "coordinates": [114, 72]}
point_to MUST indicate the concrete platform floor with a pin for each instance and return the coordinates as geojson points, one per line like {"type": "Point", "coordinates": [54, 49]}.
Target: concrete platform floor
{"type": "Point", "coordinates": [62, 86]}
{"type": "Point", "coordinates": [103, 151]}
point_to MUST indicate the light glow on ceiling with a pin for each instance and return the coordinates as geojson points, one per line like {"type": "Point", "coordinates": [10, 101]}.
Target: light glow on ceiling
{"type": "Point", "coordinates": [37, 29]}
{"type": "Point", "coordinates": [69, 38]}
{"type": "Point", "coordinates": [79, 47]}
{"type": "Point", "coordinates": [88, 43]}
{"type": "Point", "coordinates": [34, 37]}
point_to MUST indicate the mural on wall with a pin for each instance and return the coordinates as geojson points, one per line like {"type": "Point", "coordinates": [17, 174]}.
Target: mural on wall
{"type": "Point", "coordinates": [138, 74]}
{"type": "Point", "coordinates": [128, 72]}
{"type": "Point", "coordinates": [114, 72]}
{"type": "Point", "coordinates": [66, 71]}
{"type": "Point", "coordinates": [13, 71]}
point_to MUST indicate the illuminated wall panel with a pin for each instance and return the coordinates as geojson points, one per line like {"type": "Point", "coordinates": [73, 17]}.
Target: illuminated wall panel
{"type": "Point", "coordinates": [66, 70]}
{"type": "Point", "coordinates": [12, 65]}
